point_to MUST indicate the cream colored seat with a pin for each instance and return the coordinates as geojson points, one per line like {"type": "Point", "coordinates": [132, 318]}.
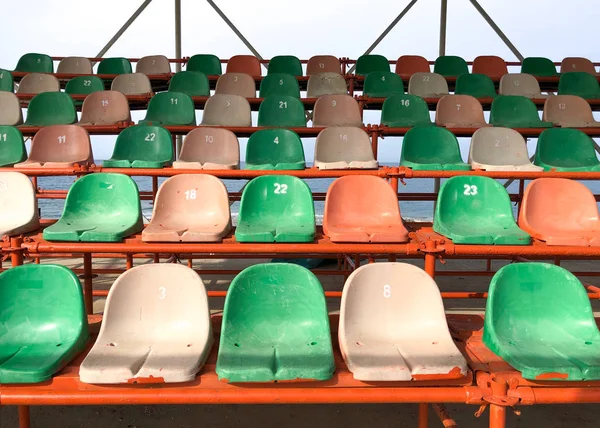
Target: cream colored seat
{"type": "Point", "coordinates": [569, 111]}
{"type": "Point", "coordinates": [499, 149]}
{"type": "Point", "coordinates": [132, 84]}
{"type": "Point", "coordinates": [427, 85]}
{"type": "Point", "coordinates": [18, 204]}
{"type": "Point", "coordinates": [209, 148]}
{"type": "Point", "coordinates": [75, 65]}
{"type": "Point", "coordinates": [346, 147]}
{"type": "Point", "coordinates": [226, 110]}
{"type": "Point", "coordinates": [236, 84]}
{"type": "Point", "coordinates": [522, 84]}
{"type": "Point", "coordinates": [10, 109]}
{"type": "Point", "coordinates": [36, 83]}
{"type": "Point", "coordinates": [326, 84]}
{"type": "Point", "coordinates": [153, 64]}
{"type": "Point", "coordinates": [105, 108]}
{"type": "Point", "coordinates": [336, 110]}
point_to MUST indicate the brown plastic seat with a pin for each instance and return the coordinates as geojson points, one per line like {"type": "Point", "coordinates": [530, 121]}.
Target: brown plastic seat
{"type": "Point", "coordinates": [569, 111]}
{"type": "Point", "coordinates": [227, 110]}
{"type": "Point", "coordinates": [190, 208]}
{"type": "Point", "coordinates": [105, 108]}
{"type": "Point", "coordinates": [560, 212]}
{"type": "Point", "coordinates": [373, 217]}
{"type": "Point", "coordinates": [327, 83]}
{"type": "Point", "coordinates": [241, 84]}
{"type": "Point", "coordinates": [154, 64]}
{"type": "Point", "coordinates": [346, 147]}
{"type": "Point", "coordinates": [59, 146]}
{"type": "Point", "coordinates": [36, 83]}
{"type": "Point", "coordinates": [407, 65]}
{"type": "Point", "coordinates": [248, 64]}
{"type": "Point", "coordinates": [427, 85]}
{"type": "Point", "coordinates": [492, 66]}
{"type": "Point", "coordinates": [209, 148]}
{"type": "Point", "coordinates": [577, 64]}
{"type": "Point", "coordinates": [10, 109]}
{"type": "Point", "coordinates": [459, 111]}
{"type": "Point", "coordinates": [75, 65]}
{"type": "Point", "coordinates": [323, 64]}
{"type": "Point", "coordinates": [337, 110]}
{"type": "Point", "coordinates": [522, 84]}
{"type": "Point", "coordinates": [132, 84]}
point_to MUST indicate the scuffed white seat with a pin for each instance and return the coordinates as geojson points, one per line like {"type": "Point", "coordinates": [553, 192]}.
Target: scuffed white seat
{"type": "Point", "coordinates": [500, 149]}
{"type": "Point", "coordinates": [346, 147]}
{"type": "Point", "coordinates": [393, 326]}
{"type": "Point", "coordinates": [18, 204]}
{"type": "Point", "coordinates": [156, 328]}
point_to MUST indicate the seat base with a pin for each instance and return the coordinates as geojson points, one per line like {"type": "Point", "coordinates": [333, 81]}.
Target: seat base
{"type": "Point", "coordinates": [207, 165]}
{"type": "Point", "coordinates": [245, 233]}
{"type": "Point", "coordinates": [383, 233]}
{"type": "Point", "coordinates": [347, 165]}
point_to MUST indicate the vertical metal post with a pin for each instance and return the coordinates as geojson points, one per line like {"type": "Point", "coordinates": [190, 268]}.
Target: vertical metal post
{"type": "Point", "coordinates": [423, 415]}
{"type": "Point", "coordinates": [443, 19]}
{"type": "Point", "coordinates": [87, 283]}
{"type": "Point", "coordinates": [179, 139]}
{"type": "Point", "coordinates": [24, 418]}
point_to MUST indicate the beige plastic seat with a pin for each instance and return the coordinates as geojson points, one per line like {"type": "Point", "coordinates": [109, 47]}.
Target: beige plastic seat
{"type": "Point", "coordinates": [336, 110]}
{"type": "Point", "coordinates": [10, 109]}
{"type": "Point", "coordinates": [569, 111]}
{"type": "Point", "coordinates": [156, 328]}
{"type": "Point", "coordinates": [190, 208]}
{"type": "Point", "coordinates": [59, 146]}
{"type": "Point", "coordinates": [36, 83]}
{"type": "Point", "coordinates": [236, 84]}
{"type": "Point", "coordinates": [18, 204]}
{"type": "Point", "coordinates": [209, 148]}
{"type": "Point", "coordinates": [522, 84]}
{"type": "Point", "coordinates": [500, 149]}
{"type": "Point", "coordinates": [345, 147]}
{"type": "Point", "coordinates": [75, 65]}
{"type": "Point", "coordinates": [132, 84]}
{"type": "Point", "coordinates": [326, 84]}
{"type": "Point", "coordinates": [105, 108]}
{"type": "Point", "coordinates": [459, 111]}
{"type": "Point", "coordinates": [393, 326]}
{"type": "Point", "coordinates": [227, 110]}
{"type": "Point", "coordinates": [577, 64]}
{"type": "Point", "coordinates": [154, 64]}
{"type": "Point", "coordinates": [323, 64]}
{"type": "Point", "coordinates": [428, 85]}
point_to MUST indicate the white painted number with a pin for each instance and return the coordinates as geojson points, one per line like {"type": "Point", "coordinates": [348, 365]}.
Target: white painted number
{"type": "Point", "coordinates": [2, 137]}
{"type": "Point", "coordinates": [282, 104]}
{"type": "Point", "coordinates": [162, 293]}
{"type": "Point", "coordinates": [562, 106]}
{"type": "Point", "coordinates": [62, 139]}
{"type": "Point", "coordinates": [104, 103]}
{"type": "Point", "coordinates": [190, 194]}
{"type": "Point", "coordinates": [174, 100]}
{"type": "Point", "coordinates": [516, 82]}
{"type": "Point", "coordinates": [343, 137]}
{"type": "Point", "coordinates": [470, 190]}
{"type": "Point", "coordinates": [209, 138]}
{"type": "Point", "coordinates": [383, 78]}
{"type": "Point", "coordinates": [276, 140]}
{"type": "Point", "coordinates": [457, 107]}
{"type": "Point", "coordinates": [39, 60]}
{"type": "Point", "coordinates": [321, 65]}
{"type": "Point", "coordinates": [425, 78]}
{"type": "Point", "coordinates": [333, 103]}
{"type": "Point", "coordinates": [150, 137]}
{"type": "Point", "coordinates": [1, 75]}
{"type": "Point", "coordinates": [405, 103]}
{"type": "Point", "coordinates": [87, 83]}
{"type": "Point", "coordinates": [228, 104]}
{"type": "Point", "coordinates": [235, 79]}
{"type": "Point", "coordinates": [280, 82]}
{"type": "Point", "coordinates": [387, 291]}
{"type": "Point", "coordinates": [497, 143]}
{"type": "Point", "coordinates": [280, 189]}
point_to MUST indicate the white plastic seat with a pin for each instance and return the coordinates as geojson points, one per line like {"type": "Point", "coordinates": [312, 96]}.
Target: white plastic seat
{"type": "Point", "coordinates": [345, 147]}
{"type": "Point", "coordinates": [156, 328]}
{"type": "Point", "coordinates": [499, 149]}
{"type": "Point", "coordinates": [326, 84]}
{"type": "Point", "coordinates": [393, 326]}
{"type": "Point", "coordinates": [522, 84]}
{"type": "Point", "coordinates": [36, 83]}
{"type": "Point", "coordinates": [427, 85]}
{"type": "Point", "coordinates": [18, 204]}
{"type": "Point", "coordinates": [10, 109]}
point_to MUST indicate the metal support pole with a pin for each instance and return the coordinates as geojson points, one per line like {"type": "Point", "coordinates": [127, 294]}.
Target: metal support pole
{"type": "Point", "coordinates": [178, 139]}
{"type": "Point", "coordinates": [87, 283]}
{"type": "Point", "coordinates": [24, 417]}
{"type": "Point", "coordinates": [443, 19]}
{"type": "Point", "coordinates": [423, 421]}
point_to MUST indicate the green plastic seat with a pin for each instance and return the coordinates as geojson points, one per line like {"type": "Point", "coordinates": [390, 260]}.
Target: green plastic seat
{"type": "Point", "coordinates": [566, 149]}
{"type": "Point", "coordinates": [450, 66]}
{"type": "Point", "coordinates": [35, 63]}
{"type": "Point", "coordinates": [12, 147]}
{"type": "Point", "coordinates": [275, 149]}
{"type": "Point", "coordinates": [287, 64]}
{"type": "Point", "coordinates": [275, 84]}
{"type": "Point", "coordinates": [283, 111]}
{"type": "Point", "coordinates": [382, 84]}
{"type": "Point", "coordinates": [84, 85]}
{"type": "Point", "coordinates": [142, 146]}
{"type": "Point", "coordinates": [6, 81]}
{"type": "Point", "coordinates": [405, 111]}
{"type": "Point", "coordinates": [431, 148]}
{"type": "Point", "coordinates": [476, 85]}
{"type": "Point", "coordinates": [538, 66]}
{"type": "Point", "coordinates": [114, 66]}
{"type": "Point", "coordinates": [476, 210]}
{"type": "Point", "coordinates": [515, 111]}
{"type": "Point", "coordinates": [192, 83]}
{"type": "Point", "coordinates": [276, 208]}
{"type": "Point", "coordinates": [368, 63]}
{"type": "Point", "coordinates": [51, 108]}
{"type": "Point", "coordinates": [275, 327]}
{"type": "Point", "coordinates": [208, 64]}
{"type": "Point", "coordinates": [44, 324]}
{"type": "Point", "coordinates": [170, 108]}
{"type": "Point", "coordinates": [579, 83]}
{"type": "Point", "coordinates": [538, 318]}
{"type": "Point", "coordinates": [100, 207]}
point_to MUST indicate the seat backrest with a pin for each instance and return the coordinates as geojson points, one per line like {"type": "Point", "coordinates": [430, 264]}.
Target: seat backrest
{"type": "Point", "coordinates": [208, 64]}
{"type": "Point", "coordinates": [105, 108]}
{"type": "Point", "coordinates": [513, 111]}
{"type": "Point", "coordinates": [171, 108]}
{"type": "Point", "coordinates": [18, 193]}
{"type": "Point", "coordinates": [427, 85]}
{"type": "Point", "coordinates": [214, 145]}
{"type": "Point", "coordinates": [6, 81]}
{"type": "Point", "coordinates": [326, 83]}
{"type": "Point", "coordinates": [241, 84]}
{"type": "Point", "coordinates": [10, 109]}
{"type": "Point", "coordinates": [35, 63]}
{"type": "Point", "coordinates": [476, 85]}
{"type": "Point", "coordinates": [492, 66]}
{"type": "Point", "coordinates": [459, 111]}
{"type": "Point", "coordinates": [12, 146]}
{"type": "Point", "coordinates": [61, 143]}
{"type": "Point", "coordinates": [538, 66]}
{"type": "Point", "coordinates": [227, 110]}
{"type": "Point", "coordinates": [568, 110]}
{"type": "Point", "coordinates": [280, 110]}
{"type": "Point", "coordinates": [248, 64]}
{"type": "Point", "coordinates": [337, 110]}
{"type": "Point", "coordinates": [51, 108]}
{"type": "Point", "coordinates": [114, 66]}
{"type": "Point", "coordinates": [580, 83]}
{"type": "Point", "coordinates": [323, 64]}
{"type": "Point", "coordinates": [430, 144]}
{"type": "Point", "coordinates": [287, 64]}
{"type": "Point", "coordinates": [36, 83]}
{"type": "Point", "coordinates": [565, 148]}
{"type": "Point", "coordinates": [279, 84]}
{"type": "Point", "coordinates": [498, 146]}
{"type": "Point", "coordinates": [577, 64]}
{"type": "Point", "coordinates": [365, 64]}
{"type": "Point", "coordinates": [132, 84]}
{"type": "Point", "coordinates": [521, 84]}
{"type": "Point", "coordinates": [450, 65]}
{"type": "Point", "coordinates": [193, 83]}
{"type": "Point", "coordinates": [344, 143]}
{"type": "Point", "coordinates": [407, 65]}
{"type": "Point", "coordinates": [154, 64]}
{"type": "Point", "coordinates": [405, 111]}
{"type": "Point", "coordinates": [75, 65]}
{"type": "Point", "coordinates": [144, 142]}
{"type": "Point", "coordinates": [84, 85]}
{"type": "Point", "coordinates": [382, 84]}
{"type": "Point", "coordinates": [274, 146]}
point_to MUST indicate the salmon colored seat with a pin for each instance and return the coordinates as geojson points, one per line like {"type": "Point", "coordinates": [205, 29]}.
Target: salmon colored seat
{"type": "Point", "coordinates": [241, 84]}
{"type": "Point", "coordinates": [569, 111]}
{"type": "Point", "coordinates": [373, 217]}
{"type": "Point", "coordinates": [492, 66]}
{"type": "Point", "coordinates": [209, 148]}
{"type": "Point", "coordinates": [577, 64]}
{"type": "Point", "coordinates": [227, 110]}
{"type": "Point", "coordinates": [105, 108]}
{"type": "Point", "coordinates": [132, 84]}
{"type": "Point", "coordinates": [18, 204]}
{"type": "Point", "coordinates": [499, 149]}
{"type": "Point", "coordinates": [153, 64]}
{"type": "Point", "coordinates": [459, 111]}
{"type": "Point", "coordinates": [407, 65]}
{"type": "Point", "coordinates": [36, 83]}
{"type": "Point", "coordinates": [326, 84]}
{"type": "Point", "coordinates": [346, 147]}
{"type": "Point", "coordinates": [248, 64]}
{"type": "Point", "coordinates": [337, 110]}
{"type": "Point", "coordinates": [428, 85]}
{"type": "Point", "coordinates": [393, 326]}
{"type": "Point", "coordinates": [323, 64]}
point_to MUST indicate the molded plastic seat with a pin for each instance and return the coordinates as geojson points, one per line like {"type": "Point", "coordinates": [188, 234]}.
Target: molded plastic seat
{"type": "Point", "coordinates": [373, 217]}
{"type": "Point", "coordinates": [84, 85]}
{"type": "Point", "coordinates": [170, 108]}
{"type": "Point", "coordinates": [115, 66]}
{"type": "Point", "coordinates": [560, 212]}
{"type": "Point", "coordinates": [431, 148]}
{"type": "Point", "coordinates": [275, 149]}
{"type": "Point", "coordinates": [275, 327]}
{"type": "Point", "coordinates": [323, 64]}
{"type": "Point", "coordinates": [564, 149]}
{"type": "Point", "coordinates": [326, 84]}
{"type": "Point", "coordinates": [540, 321]}
{"type": "Point", "coordinates": [59, 146]}
{"type": "Point", "coordinates": [209, 148]}
{"type": "Point", "coordinates": [393, 326]}
{"type": "Point", "coordinates": [411, 64]}
{"type": "Point", "coordinates": [35, 63]}
{"type": "Point", "coordinates": [241, 84]}
{"type": "Point", "coordinates": [44, 325]}
{"type": "Point", "coordinates": [50, 108]}
{"type": "Point", "coordinates": [499, 149]}
{"type": "Point", "coordinates": [538, 66]}
{"type": "Point", "coordinates": [580, 83]}
{"type": "Point", "coordinates": [132, 84]}
{"type": "Point", "coordinates": [156, 326]}
{"type": "Point", "coordinates": [10, 109]}
{"type": "Point", "coordinates": [428, 85]}
{"type": "Point", "coordinates": [192, 83]}
{"type": "Point", "coordinates": [569, 111]}
{"type": "Point", "coordinates": [346, 147]}
{"type": "Point", "coordinates": [36, 83]}
{"type": "Point", "coordinates": [382, 84]}
{"type": "Point", "coordinates": [12, 146]}
{"type": "Point", "coordinates": [279, 84]}
{"type": "Point", "coordinates": [366, 64]}
{"type": "Point", "coordinates": [513, 111]}
{"type": "Point", "coordinates": [283, 111]}
{"type": "Point", "coordinates": [459, 111]}
{"type": "Point", "coordinates": [405, 111]}
{"type": "Point", "coordinates": [227, 110]}
{"type": "Point", "coordinates": [476, 85]}
{"type": "Point", "coordinates": [100, 207]}
{"type": "Point", "coordinates": [337, 110]}
{"type": "Point", "coordinates": [476, 210]}
{"type": "Point", "coordinates": [286, 64]}
{"type": "Point", "coordinates": [276, 208]}
{"type": "Point", "coordinates": [208, 64]}
{"type": "Point", "coordinates": [6, 81]}
{"type": "Point", "coordinates": [153, 64]}
{"type": "Point", "coordinates": [450, 65]}
{"type": "Point", "coordinates": [104, 108]}
{"type": "Point", "coordinates": [142, 146]}
{"type": "Point", "coordinates": [75, 65]}
{"type": "Point", "coordinates": [248, 64]}
{"type": "Point", "coordinates": [190, 208]}
{"type": "Point", "coordinates": [18, 207]}
{"type": "Point", "coordinates": [524, 85]}
{"type": "Point", "coordinates": [490, 65]}
{"type": "Point", "coordinates": [577, 64]}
